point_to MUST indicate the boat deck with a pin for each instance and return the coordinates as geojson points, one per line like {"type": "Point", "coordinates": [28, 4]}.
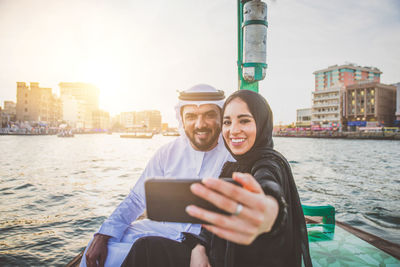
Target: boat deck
{"type": "Point", "coordinates": [339, 245]}
{"type": "Point", "coordinates": [342, 245]}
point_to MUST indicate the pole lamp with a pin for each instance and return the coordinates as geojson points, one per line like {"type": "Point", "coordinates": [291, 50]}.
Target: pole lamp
{"type": "Point", "coordinates": [252, 43]}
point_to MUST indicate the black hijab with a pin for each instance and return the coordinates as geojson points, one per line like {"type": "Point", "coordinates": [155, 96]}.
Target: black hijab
{"type": "Point", "coordinates": [262, 115]}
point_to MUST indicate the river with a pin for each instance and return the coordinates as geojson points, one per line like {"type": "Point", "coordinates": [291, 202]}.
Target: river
{"type": "Point", "coordinates": [56, 192]}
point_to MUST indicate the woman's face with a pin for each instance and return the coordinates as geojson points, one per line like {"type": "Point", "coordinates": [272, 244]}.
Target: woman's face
{"type": "Point", "coordinates": [239, 127]}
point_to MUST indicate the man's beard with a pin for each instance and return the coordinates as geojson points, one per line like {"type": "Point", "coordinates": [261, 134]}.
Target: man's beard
{"type": "Point", "coordinates": [203, 146]}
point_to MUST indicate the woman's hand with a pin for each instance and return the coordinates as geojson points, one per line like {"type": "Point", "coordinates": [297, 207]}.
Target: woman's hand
{"type": "Point", "coordinates": [199, 257]}
{"type": "Point", "coordinates": [257, 216]}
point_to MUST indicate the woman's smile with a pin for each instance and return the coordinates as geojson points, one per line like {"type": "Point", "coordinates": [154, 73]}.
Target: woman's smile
{"type": "Point", "coordinates": [239, 127]}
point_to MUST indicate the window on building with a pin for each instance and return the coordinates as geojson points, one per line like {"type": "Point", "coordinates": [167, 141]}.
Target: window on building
{"type": "Point", "coordinates": [372, 101]}
{"type": "Point", "coordinates": [26, 110]}
{"type": "Point", "coordinates": [372, 92]}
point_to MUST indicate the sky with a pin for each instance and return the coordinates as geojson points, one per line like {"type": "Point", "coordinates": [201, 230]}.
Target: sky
{"type": "Point", "coordinates": [140, 53]}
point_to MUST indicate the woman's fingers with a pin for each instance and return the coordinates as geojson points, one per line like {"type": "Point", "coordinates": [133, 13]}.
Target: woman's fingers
{"type": "Point", "coordinates": [214, 197]}
{"type": "Point", "coordinates": [247, 181]}
{"type": "Point", "coordinates": [231, 191]}
{"type": "Point", "coordinates": [233, 223]}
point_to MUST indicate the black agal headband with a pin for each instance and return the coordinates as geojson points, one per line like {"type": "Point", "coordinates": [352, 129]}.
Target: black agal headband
{"type": "Point", "coordinates": [202, 96]}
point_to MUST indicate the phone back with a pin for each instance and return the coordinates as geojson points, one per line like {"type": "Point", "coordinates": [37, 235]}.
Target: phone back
{"type": "Point", "coordinates": [167, 199]}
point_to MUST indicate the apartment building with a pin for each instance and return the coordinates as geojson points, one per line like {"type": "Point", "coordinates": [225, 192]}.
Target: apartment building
{"type": "Point", "coordinates": [87, 99]}
{"type": "Point", "coordinates": [35, 103]}
{"type": "Point", "coordinates": [370, 102]}
{"type": "Point", "coordinates": [303, 117]}
{"type": "Point", "coordinates": [328, 100]}
{"type": "Point", "coordinates": [101, 120]}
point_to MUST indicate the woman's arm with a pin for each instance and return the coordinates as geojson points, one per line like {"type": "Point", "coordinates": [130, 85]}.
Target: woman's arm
{"type": "Point", "coordinates": [257, 216]}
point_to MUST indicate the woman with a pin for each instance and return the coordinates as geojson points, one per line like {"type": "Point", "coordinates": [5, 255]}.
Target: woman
{"type": "Point", "coordinates": [267, 226]}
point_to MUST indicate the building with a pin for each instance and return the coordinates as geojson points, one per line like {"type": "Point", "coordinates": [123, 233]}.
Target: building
{"type": "Point", "coordinates": [35, 103]}
{"type": "Point", "coordinates": [73, 111]}
{"type": "Point", "coordinates": [344, 75]}
{"type": "Point", "coordinates": [397, 102]}
{"type": "Point", "coordinates": [148, 120]}
{"type": "Point", "coordinates": [329, 93]}
{"type": "Point", "coordinates": [101, 120]}
{"type": "Point", "coordinates": [127, 119]}
{"type": "Point", "coordinates": [9, 112]}
{"type": "Point", "coordinates": [151, 119]}
{"type": "Point", "coordinates": [303, 118]}
{"type": "Point", "coordinates": [370, 103]}
{"type": "Point", "coordinates": [326, 109]}
{"type": "Point", "coordinates": [87, 99]}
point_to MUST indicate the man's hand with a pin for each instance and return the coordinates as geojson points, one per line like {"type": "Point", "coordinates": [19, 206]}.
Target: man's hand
{"type": "Point", "coordinates": [97, 252]}
{"type": "Point", "coordinates": [199, 257]}
{"type": "Point", "coordinates": [257, 216]}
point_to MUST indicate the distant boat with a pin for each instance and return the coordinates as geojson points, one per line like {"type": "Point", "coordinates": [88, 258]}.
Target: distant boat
{"type": "Point", "coordinates": [65, 134]}
{"type": "Point", "coordinates": [171, 133]}
{"type": "Point", "coordinates": [137, 135]}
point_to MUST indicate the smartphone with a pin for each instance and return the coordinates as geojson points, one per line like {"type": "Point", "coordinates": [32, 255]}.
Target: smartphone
{"type": "Point", "coordinates": [167, 199]}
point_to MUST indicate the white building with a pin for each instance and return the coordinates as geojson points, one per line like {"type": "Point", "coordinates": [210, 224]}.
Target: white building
{"type": "Point", "coordinates": [303, 117]}
{"type": "Point", "coordinates": [326, 111]}
{"type": "Point", "coordinates": [73, 111]}
{"type": "Point", "coordinates": [127, 119]}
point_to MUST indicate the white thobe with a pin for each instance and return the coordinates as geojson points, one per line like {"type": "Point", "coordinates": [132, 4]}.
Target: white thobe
{"type": "Point", "coordinates": [176, 159]}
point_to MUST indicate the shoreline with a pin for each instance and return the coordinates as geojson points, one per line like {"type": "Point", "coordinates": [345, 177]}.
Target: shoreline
{"type": "Point", "coordinates": [342, 135]}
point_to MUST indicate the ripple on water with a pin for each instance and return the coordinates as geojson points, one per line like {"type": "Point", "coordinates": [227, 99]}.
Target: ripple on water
{"type": "Point", "coordinates": [23, 186]}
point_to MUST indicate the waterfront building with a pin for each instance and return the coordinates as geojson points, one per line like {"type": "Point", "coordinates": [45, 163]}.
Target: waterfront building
{"type": "Point", "coordinates": [370, 104]}
{"type": "Point", "coordinates": [35, 103]}
{"type": "Point", "coordinates": [148, 120]}
{"type": "Point", "coordinates": [127, 119]}
{"type": "Point", "coordinates": [101, 120]}
{"type": "Point", "coordinates": [397, 102]}
{"type": "Point", "coordinates": [326, 108]}
{"type": "Point", "coordinates": [345, 75]}
{"type": "Point", "coordinates": [329, 94]}
{"type": "Point", "coordinates": [9, 112]}
{"type": "Point", "coordinates": [73, 111]}
{"type": "Point", "coordinates": [87, 97]}
{"type": "Point", "coordinates": [303, 118]}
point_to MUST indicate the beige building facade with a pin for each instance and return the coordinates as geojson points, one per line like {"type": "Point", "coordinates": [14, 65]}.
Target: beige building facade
{"type": "Point", "coordinates": [101, 120]}
{"type": "Point", "coordinates": [9, 113]}
{"type": "Point", "coordinates": [147, 120]}
{"type": "Point", "coordinates": [87, 101]}
{"type": "Point", "coordinates": [370, 102]}
{"type": "Point", "coordinates": [303, 117]}
{"type": "Point", "coordinates": [35, 103]}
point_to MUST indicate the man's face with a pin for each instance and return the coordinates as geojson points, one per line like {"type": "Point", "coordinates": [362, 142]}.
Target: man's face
{"type": "Point", "coordinates": [202, 125]}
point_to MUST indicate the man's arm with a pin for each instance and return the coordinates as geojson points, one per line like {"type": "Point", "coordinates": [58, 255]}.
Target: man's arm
{"type": "Point", "coordinates": [97, 252]}
{"type": "Point", "coordinates": [128, 211]}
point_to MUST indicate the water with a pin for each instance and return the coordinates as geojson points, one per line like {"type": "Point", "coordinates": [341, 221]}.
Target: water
{"type": "Point", "coordinates": [56, 192]}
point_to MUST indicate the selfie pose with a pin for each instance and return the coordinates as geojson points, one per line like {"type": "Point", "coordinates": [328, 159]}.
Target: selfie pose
{"type": "Point", "coordinates": [266, 226]}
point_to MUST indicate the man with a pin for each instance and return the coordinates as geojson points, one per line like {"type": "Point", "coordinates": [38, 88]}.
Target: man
{"type": "Point", "coordinates": [199, 152]}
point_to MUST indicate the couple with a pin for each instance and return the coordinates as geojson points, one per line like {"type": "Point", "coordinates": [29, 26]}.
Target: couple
{"type": "Point", "coordinates": [267, 224]}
